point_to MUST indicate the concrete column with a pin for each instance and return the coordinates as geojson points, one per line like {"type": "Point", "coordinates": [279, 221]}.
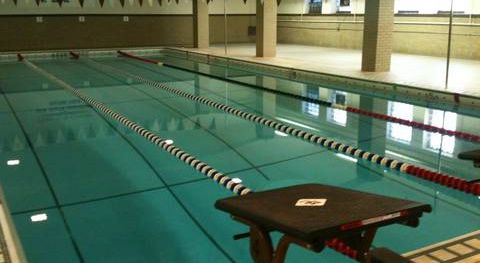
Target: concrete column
{"type": "Point", "coordinates": [372, 132]}
{"type": "Point", "coordinates": [267, 28]}
{"type": "Point", "coordinates": [266, 102]}
{"type": "Point", "coordinates": [201, 31]}
{"type": "Point", "coordinates": [378, 35]}
{"type": "Point", "coordinates": [200, 81]}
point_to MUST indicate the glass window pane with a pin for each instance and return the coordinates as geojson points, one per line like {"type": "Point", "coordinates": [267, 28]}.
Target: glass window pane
{"type": "Point", "coordinates": [435, 141]}
{"type": "Point", "coordinates": [337, 116]}
{"type": "Point", "coordinates": [396, 131]}
{"type": "Point", "coordinates": [308, 107]}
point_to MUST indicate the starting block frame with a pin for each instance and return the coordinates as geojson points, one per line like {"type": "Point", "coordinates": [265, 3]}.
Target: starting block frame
{"type": "Point", "coordinates": [349, 231]}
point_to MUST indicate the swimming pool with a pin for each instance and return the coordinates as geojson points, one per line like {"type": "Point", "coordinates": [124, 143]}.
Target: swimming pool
{"type": "Point", "coordinates": [112, 196]}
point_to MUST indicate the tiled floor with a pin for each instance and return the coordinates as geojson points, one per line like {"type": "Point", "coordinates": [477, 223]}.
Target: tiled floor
{"type": "Point", "coordinates": [463, 249]}
{"type": "Point", "coordinates": [421, 71]}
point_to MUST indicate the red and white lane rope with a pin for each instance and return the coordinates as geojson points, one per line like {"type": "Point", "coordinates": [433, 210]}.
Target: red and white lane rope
{"type": "Point", "coordinates": [418, 125]}
{"type": "Point", "coordinates": [426, 174]}
{"type": "Point", "coordinates": [162, 143]}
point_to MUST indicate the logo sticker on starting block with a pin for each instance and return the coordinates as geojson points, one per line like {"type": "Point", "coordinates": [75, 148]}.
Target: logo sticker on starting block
{"type": "Point", "coordinates": [311, 202]}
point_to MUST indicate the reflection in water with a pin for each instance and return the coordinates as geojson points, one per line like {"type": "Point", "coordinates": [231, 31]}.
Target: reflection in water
{"type": "Point", "coordinates": [337, 116]}
{"type": "Point", "coordinates": [396, 131]}
{"type": "Point", "coordinates": [435, 141]}
{"type": "Point", "coordinates": [346, 157]}
{"type": "Point", "coordinates": [309, 107]}
{"type": "Point", "coordinates": [39, 217]}
{"type": "Point", "coordinates": [13, 162]}
{"type": "Point", "coordinates": [297, 123]}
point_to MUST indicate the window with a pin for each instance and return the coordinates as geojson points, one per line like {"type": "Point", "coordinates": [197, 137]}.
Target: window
{"type": "Point", "coordinates": [459, 6]}
{"type": "Point", "coordinates": [309, 107]}
{"type": "Point", "coordinates": [396, 131]}
{"type": "Point", "coordinates": [315, 7]}
{"type": "Point", "coordinates": [344, 2]}
{"type": "Point", "coordinates": [337, 116]}
{"type": "Point", "coordinates": [343, 6]}
{"type": "Point", "coordinates": [435, 141]}
{"type": "Point", "coordinates": [407, 6]}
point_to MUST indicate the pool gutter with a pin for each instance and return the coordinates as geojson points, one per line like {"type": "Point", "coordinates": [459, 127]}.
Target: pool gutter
{"type": "Point", "coordinates": [296, 74]}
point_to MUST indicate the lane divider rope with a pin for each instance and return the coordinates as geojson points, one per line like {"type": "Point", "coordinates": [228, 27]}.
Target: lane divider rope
{"type": "Point", "coordinates": [220, 178]}
{"type": "Point", "coordinates": [426, 174]}
{"type": "Point", "coordinates": [415, 124]}
{"type": "Point", "coordinates": [191, 160]}
{"type": "Point", "coordinates": [334, 244]}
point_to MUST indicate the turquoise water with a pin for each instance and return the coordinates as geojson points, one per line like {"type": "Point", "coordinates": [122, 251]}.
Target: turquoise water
{"type": "Point", "coordinates": [111, 196]}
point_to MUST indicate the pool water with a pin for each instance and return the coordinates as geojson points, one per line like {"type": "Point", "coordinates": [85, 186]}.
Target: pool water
{"type": "Point", "coordinates": [111, 196]}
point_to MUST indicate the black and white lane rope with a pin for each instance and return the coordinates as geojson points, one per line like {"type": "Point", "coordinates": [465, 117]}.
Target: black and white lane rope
{"type": "Point", "coordinates": [200, 166]}
{"type": "Point", "coordinates": [426, 174]}
{"type": "Point", "coordinates": [418, 125]}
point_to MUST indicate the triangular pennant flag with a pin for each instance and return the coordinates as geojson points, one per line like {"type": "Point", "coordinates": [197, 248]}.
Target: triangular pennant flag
{"type": "Point", "coordinates": [81, 134]}
{"type": "Point", "coordinates": [197, 123]}
{"type": "Point", "coordinates": [81, 2]}
{"type": "Point", "coordinates": [70, 135]}
{"type": "Point", "coordinates": [245, 1]}
{"type": "Point", "coordinates": [208, 1]}
{"type": "Point", "coordinates": [172, 125]}
{"type": "Point", "coordinates": [38, 2]}
{"type": "Point", "coordinates": [122, 2]}
{"type": "Point", "coordinates": [109, 131]}
{"type": "Point", "coordinates": [160, 2]}
{"type": "Point", "coordinates": [101, 2]}
{"type": "Point", "coordinates": [177, 1]}
{"type": "Point", "coordinates": [17, 144]}
{"type": "Point", "coordinates": [278, 2]}
{"type": "Point", "coordinates": [155, 126]}
{"type": "Point", "coordinates": [15, 2]}
{"type": "Point", "coordinates": [140, 2]}
{"type": "Point", "coordinates": [189, 125]}
{"type": "Point", "coordinates": [181, 127]}
{"type": "Point", "coordinates": [50, 137]}
{"type": "Point", "coordinates": [39, 142]}
{"type": "Point", "coordinates": [6, 147]}
{"type": "Point", "coordinates": [213, 125]}
{"type": "Point", "coordinates": [164, 125]}
{"type": "Point", "coordinates": [60, 137]}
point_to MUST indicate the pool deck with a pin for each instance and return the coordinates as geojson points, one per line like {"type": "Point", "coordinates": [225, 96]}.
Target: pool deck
{"type": "Point", "coordinates": [414, 70]}
{"type": "Point", "coordinates": [462, 249]}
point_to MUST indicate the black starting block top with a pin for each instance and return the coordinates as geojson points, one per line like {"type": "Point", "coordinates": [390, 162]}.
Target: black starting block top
{"type": "Point", "coordinates": [345, 211]}
{"type": "Point", "coordinates": [470, 155]}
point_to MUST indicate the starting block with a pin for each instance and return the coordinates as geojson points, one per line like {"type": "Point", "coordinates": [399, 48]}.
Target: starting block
{"type": "Point", "coordinates": [314, 216]}
{"type": "Point", "coordinates": [472, 156]}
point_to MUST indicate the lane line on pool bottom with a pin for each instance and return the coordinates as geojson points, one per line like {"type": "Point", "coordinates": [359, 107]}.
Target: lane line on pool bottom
{"type": "Point", "coordinates": [415, 124]}
{"type": "Point", "coordinates": [426, 174]}
{"type": "Point", "coordinates": [200, 166]}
